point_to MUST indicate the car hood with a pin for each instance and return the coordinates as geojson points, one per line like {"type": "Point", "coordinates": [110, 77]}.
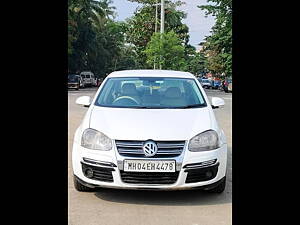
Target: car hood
{"type": "Point", "coordinates": [155, 124]}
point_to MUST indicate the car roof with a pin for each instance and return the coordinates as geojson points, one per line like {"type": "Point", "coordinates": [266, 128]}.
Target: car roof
{"type": "Point", "coordinates": [151, 73]}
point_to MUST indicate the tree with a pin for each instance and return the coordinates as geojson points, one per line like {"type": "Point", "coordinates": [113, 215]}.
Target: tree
{"type": "Point", "coordinates": [141, 26]}
{"type": "Point", "coordinates": [166, 49]}
{"type": "Point", "coordinates": [94, 39]}
{"type": "Point", "coordinates": [218, 46]}
{"type": "Point", "coordinates": [195, 60]}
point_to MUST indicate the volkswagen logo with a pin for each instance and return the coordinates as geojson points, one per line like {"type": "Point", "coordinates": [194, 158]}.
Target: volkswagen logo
{"type": "Point", "coordinates": [149, 148]}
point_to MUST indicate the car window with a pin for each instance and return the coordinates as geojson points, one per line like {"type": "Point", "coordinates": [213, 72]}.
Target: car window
{"type": "Point", "coordinates": [72, 78]}
{"type": "Point", "coordinates": [150, 92]}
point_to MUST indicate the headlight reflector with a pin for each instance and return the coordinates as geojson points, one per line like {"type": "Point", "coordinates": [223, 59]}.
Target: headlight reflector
{"type": "Point", "coordinates": [93, 139]}
{"type": "Point", "coordinates": [205, 141]}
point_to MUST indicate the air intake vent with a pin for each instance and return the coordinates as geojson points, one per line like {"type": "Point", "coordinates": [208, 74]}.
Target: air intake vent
{"type": "Point", "coordinates": [149, 177]}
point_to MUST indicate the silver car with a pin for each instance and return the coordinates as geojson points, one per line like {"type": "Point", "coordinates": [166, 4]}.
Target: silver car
{"type": "Point", "coordinates": [206, 83]}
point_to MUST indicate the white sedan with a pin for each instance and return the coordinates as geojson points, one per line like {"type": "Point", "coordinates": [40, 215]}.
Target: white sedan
{"type": "Point", "coordinates": [150, 129]}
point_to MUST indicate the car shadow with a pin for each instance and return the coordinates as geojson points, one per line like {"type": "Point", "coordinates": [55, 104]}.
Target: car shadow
{"type": "Point", "coordinates": [169, 198]}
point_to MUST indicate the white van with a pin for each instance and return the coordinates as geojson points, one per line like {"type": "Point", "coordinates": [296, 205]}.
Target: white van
{"type": "Point", "coordinates": [87, 78]}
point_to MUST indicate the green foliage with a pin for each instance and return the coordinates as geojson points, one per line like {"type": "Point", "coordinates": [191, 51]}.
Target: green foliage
{"type": "Point", "coordinates": [94, 39]}
{"type": "Point", "coordinates": [167, 51]}
{"type": "Point", "coordinates": [195, 60]}
{"type": "Point", "coordinates": [218, 46]}
{"type": "Point", "coordinates": [141, 26]}
{"type": "Point", "coordinates": [99, 44]}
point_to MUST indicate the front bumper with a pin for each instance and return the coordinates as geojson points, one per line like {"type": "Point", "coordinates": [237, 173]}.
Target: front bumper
{"type": "Point", "coordinates": [112, 159]}
{"type": "Point", "coordinates": [73, 85]}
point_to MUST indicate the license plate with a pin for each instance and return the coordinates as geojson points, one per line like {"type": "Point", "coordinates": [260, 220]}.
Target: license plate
{"type": "Point", "coordinates": [149, 166]}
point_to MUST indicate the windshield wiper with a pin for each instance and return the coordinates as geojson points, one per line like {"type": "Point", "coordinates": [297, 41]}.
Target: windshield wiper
{"type": "Point", "coordinates": [166, 107]}
{"type": "Point", "coordinates": [192, 106]}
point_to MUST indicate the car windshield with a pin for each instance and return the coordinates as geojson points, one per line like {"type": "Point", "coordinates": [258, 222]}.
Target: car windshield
{"type": "Point", "coordinates": [72, 78]}
{"type": "Point", "coordinates": [150, 92]}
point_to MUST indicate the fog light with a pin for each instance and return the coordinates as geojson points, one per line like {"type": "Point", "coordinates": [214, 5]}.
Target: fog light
{"type": "Point", "coordinates": [88, 173]}
{"type": "Point", "coordinates": [208, 173]}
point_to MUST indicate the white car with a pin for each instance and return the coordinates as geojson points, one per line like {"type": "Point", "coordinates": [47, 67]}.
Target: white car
{"type": "Point", "coordinates": [150, 129]}
{"type": "Point", "coordinates": [87, 78]}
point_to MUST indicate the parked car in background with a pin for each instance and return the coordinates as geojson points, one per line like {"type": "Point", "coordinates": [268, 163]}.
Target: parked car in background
{"type": "Point", "coordinates": [227, 85]}
{"type": "Point", "coordinates": [80, 81]}
{"type": "Point", "coordinates": [87, 78]}
{"type": "Point", "coordinates": [95, 79]}
{"type": "Point", "coordinates": [230, 86]}
{"type": "Point", "coordinates": [206, 83]}
{"type": "Point", "coordinates": [216, 84]}
{"type": "Point", "coordinates": [73, 81]}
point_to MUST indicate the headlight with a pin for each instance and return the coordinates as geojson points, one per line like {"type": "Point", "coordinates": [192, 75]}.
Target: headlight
{"type": "Point", "coordinates": [93, 139]}
{"type": "Point", "coordinates": [205, 141]}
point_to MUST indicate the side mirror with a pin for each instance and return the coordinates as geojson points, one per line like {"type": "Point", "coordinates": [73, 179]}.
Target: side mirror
{"type": "Point", "coordinates": [84, 100]}
{"type": "Point", "coordinates": [216, 102]}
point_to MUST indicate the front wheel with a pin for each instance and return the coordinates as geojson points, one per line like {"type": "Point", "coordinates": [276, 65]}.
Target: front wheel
{"type": "Point", "coordinates": [220, 188]}
{"type": "Point", "coordinates": [80, 187]}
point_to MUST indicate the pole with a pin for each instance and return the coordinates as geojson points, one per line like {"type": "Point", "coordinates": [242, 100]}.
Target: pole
{"type": "Point", "coordinates": [162, 17]}
{"type": "Point", "coordinates": [156, 13]}
{"type": "Point", "coordinates": [162, 21]}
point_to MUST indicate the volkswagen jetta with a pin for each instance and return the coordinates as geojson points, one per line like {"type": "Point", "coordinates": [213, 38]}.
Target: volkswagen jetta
{"type": "Point", "coordinates": [150, 129]}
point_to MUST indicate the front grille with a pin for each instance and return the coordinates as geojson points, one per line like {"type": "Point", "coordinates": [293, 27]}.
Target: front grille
{"type": "Point", "coordinates": [99, 173]}
{"type": "Point", "coordinates": [149, 177]}
{"type": "Point", "coordinates": [165, 148]}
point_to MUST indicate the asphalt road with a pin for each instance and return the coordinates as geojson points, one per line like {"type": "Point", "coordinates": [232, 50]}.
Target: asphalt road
{"type": "Point", "coordinates": [128, 207]}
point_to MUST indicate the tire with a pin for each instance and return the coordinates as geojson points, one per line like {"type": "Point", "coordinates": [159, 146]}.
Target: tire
{"type": "Point", "coordinates": [80, 187]}
{"type": "Point", "coordinates": [220, 188]}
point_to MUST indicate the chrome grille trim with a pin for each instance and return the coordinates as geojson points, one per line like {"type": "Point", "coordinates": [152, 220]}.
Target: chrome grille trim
{"type": "Point", "coordinates": [165, 148]}
{"type": "Point", "coordinates": [200, 165]}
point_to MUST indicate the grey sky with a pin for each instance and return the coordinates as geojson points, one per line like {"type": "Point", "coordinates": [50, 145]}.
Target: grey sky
{"type": "Point", "coordinates": [199, 25]}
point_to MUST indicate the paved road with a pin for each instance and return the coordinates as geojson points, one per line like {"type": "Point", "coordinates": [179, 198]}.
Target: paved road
{"type": "Point", "coordinates": [126, 207]}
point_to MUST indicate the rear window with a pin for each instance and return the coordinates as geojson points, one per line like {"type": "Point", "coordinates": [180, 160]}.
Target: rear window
{"type": "Point", "coordinates": [87, 76]}
{"type": "Point", "coordinates": [72, 78]}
